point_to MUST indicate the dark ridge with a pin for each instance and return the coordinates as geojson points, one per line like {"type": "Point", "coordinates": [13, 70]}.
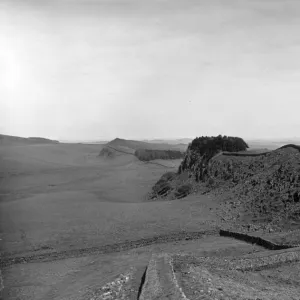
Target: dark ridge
{"type": "Point", "coordinates": [204, 145]}
{"type": "Point", "coordinates": [149, 154]}
{"type": "Point", "coordinates": [297, 147]}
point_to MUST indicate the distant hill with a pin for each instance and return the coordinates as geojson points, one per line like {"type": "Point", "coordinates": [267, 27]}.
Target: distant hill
{"type": "Point", "coordinates": [272, 144]}
{"type": "Point", "coordinates": [88, 142]}
{"type": "Point", "coordinates": [183, 141]}
{"type": "Point", "coordinates": [9, 140]}
{"type": "Point", "coordinates": [113, 151]}
{"type": "Point", "coordinates": [138, 145]}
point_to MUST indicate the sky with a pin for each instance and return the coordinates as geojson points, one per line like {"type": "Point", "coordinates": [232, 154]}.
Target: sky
{"type": "Point", "coordinates": [142, 69]}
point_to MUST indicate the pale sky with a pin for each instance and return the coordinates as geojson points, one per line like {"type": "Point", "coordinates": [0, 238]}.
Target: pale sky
{"type": "Point", "coordinates": [100, 69]}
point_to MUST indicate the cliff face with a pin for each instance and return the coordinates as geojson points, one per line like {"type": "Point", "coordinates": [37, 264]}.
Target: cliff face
{"type": "Point", "coordinates": [194, 166]}
{"type": "Point", "coordinates": [253, 188]}
{"type": "Point", "coordinates": [203, 149]}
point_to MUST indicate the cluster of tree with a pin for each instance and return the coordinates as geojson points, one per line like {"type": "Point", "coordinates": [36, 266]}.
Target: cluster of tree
{"type": "Point", "coordinates": [205, 144]}
{"type": "Point", "coordinates": [148, 154]}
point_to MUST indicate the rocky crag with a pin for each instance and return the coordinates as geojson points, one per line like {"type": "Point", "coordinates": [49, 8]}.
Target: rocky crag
{"type": "Point", "coordinates": [259, 189]}
{"type": "Point", "coordinates": [254, 188]}
{"type": "Point", "coordinates": [194, 167]}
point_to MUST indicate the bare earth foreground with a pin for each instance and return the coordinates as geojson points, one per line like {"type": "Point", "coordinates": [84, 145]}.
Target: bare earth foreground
{"type": "Point", "coordinates": [71, 222]}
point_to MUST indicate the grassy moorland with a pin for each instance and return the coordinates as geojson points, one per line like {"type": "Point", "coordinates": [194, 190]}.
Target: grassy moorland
{"type": "Point", "coordinates": [79, 219]}
{"type": "Point", "coordinates": [61, 197]}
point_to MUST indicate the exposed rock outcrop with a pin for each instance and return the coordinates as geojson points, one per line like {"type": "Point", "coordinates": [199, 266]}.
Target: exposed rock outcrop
{"type": "Point", "coordinates": [194, 166]}
{"type": "Point", "coordinates": [262, 188]}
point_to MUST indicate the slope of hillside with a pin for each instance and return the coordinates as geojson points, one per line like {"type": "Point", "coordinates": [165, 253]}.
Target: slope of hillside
{"type": "Point", "coordinates": [184, 141]}
{"type": "Point", "coordinates": [259, 189]}
{"type": "Point", "coordinates": [8, 140]}
{"type": "Point", "coordinates": [137, 145]}
{"type": "Point", "coordinates": [112, 152]}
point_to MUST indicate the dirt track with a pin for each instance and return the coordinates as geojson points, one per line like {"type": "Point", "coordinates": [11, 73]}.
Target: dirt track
{"type": "Point", "coordinates": [128, 245]}
{"type": "Point", "coordinates": [9, 260]}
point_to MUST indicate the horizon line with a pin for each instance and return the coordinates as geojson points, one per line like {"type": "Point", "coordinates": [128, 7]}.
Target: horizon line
{"type": "Point", "coordinates": [153, 138]}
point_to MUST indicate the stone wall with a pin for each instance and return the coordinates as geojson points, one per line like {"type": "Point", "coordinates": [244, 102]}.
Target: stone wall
{"type": "Point", "coordinates": [255, 240]}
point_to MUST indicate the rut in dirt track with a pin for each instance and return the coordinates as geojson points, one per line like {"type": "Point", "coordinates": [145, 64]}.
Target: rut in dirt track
{"type": "Point", "coordinates": [106, 249]}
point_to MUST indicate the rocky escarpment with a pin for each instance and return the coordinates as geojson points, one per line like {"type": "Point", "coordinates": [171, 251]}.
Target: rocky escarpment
{"type": "Point", "coordinates": [256, 189]}
{"type": "Point", "coordinates": [194, 166]}
{"type": "Point", "coordinates": [203, 149]}
{"type": "Point", "coordinates": [264, 188]}
{"type": "Point", "coordinates": [172, 186]}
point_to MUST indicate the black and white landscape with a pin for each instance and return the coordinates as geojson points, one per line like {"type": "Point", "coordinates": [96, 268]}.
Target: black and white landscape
{"type": "Point", "coordinates": [149, 149]}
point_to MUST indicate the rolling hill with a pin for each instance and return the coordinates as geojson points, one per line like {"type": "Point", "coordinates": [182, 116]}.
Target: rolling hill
{"type": "Point", "coordinates": [9, 140]}
{"type": "Point", "coordinates": [142, 150]}
{"type": "Point", "coordinates": [170, 141]}
{"type": "Point", "coordinates": [137, 145]}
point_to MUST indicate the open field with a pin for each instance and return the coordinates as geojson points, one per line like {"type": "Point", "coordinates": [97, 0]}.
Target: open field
{"type": "Point", "coordinates": [63, 197]}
